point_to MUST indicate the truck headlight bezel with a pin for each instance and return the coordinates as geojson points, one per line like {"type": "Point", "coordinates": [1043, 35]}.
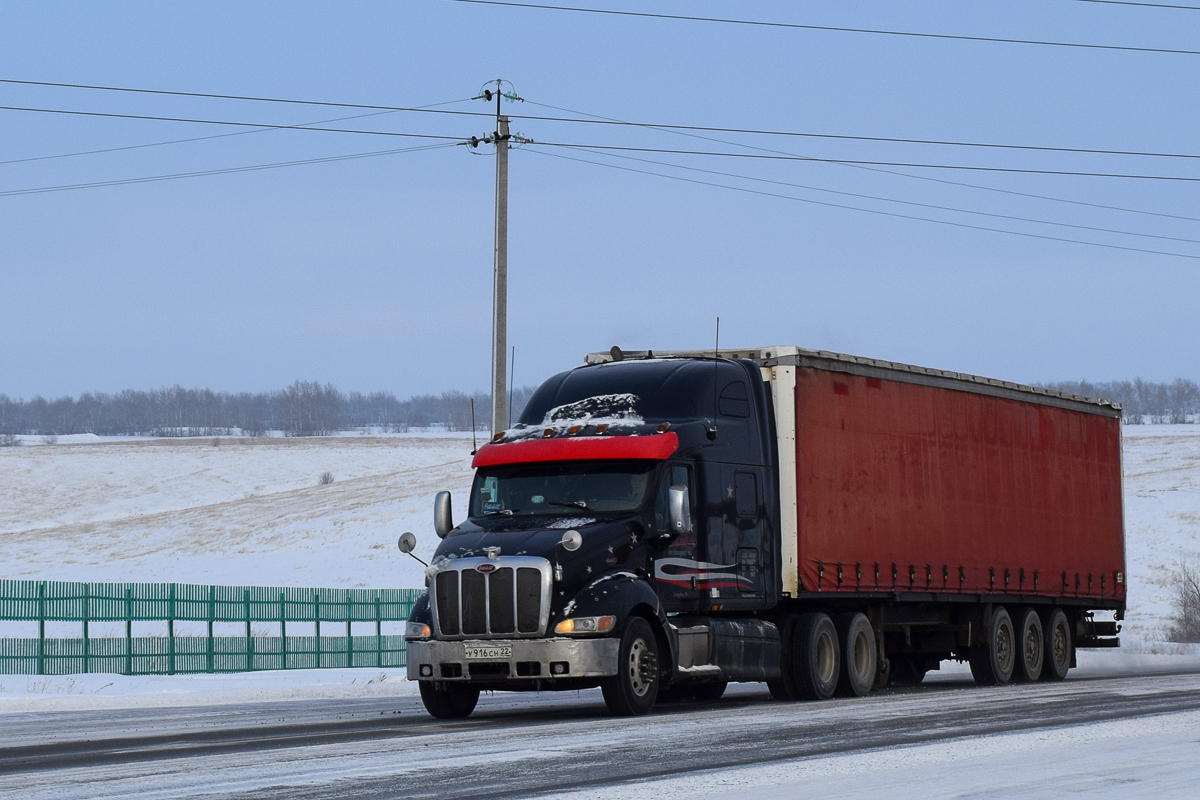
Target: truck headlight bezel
{"type": "Point", "coordinates": [417, 630]}
{"type": "Point", "coordinates": [574, 626]}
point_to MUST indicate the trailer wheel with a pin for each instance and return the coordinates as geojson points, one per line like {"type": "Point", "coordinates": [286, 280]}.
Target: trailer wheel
{"type": "Point", "coordinates": [633, 690]}
{"type": "Point", "coordinates": [816, 657]}
{"type": "Point", "coordinates": [784, 688]}
{"type": "Point", "coordinates": [992, 663]}
{"type": "Point", "coordinates": [858, 655]}
{"type": "Point", "coordinates": [1057, 645]}
{"type": "Point", "coordinates": [1031, 646]}
{"type": "Point", "coordinates": [449, 700]}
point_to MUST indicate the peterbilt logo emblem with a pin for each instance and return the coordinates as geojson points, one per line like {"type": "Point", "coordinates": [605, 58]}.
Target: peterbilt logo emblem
{"type": "Point", "coordinates": [486, 568]}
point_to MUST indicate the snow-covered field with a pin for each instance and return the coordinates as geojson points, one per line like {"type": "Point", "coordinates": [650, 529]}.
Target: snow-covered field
{"type": "Point", "coordinates": [243, 512]}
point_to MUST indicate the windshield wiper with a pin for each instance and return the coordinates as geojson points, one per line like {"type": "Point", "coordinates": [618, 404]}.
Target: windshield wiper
{"type": "Point", "coordinates": [508, 512]}
{"type": "Point", "coordinates": [569, 504]}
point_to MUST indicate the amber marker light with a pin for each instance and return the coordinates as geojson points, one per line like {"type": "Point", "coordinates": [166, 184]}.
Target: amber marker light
{"type": "Point", "coordinates": [601, 428]}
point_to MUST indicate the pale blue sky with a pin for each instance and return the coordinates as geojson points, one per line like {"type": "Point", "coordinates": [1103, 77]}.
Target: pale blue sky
{"type": "Point", "coordinates": [376, 273]}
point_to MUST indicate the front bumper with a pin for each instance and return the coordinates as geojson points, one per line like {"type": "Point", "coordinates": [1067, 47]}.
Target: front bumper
{"type": "Point", "coordinates": [531, 659]}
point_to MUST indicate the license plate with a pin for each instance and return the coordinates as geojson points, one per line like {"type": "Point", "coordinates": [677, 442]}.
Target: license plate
{"type": "Point", "coordinates": [476, 653]}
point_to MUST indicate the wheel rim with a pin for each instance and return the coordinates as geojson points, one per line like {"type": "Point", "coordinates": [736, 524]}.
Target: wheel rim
{"type": "Point", "coordinates": [1033, 647]}
{"type": "Point", "coordinates": [1060, 645]}
{"type": "Point", "coordinates": [1004, 649]}
{"type": "Point", "coordinates": [862, 655]}
{"type": "Point", "coordinates": [641, 668]}
{"type": "Point", "coordinates": [825, 657]}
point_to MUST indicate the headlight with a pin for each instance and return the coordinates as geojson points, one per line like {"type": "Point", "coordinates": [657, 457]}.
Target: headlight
{"type": "Point", "coordinates": [417, 630]}
{"type": "Point", "coordinates": [585, 625]}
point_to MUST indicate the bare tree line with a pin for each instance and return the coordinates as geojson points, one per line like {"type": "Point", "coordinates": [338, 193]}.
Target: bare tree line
{"type": "Point", "coordinates": [1142, 401]}
{"type": "Point", "coordinates": [306, 408]}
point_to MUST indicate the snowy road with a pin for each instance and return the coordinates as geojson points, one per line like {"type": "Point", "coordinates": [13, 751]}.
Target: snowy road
{"type": "Point", "coordinates": [1131, 735]}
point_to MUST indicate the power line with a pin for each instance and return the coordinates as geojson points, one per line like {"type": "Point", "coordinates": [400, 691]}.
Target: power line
{"type": "Point", "coordinates": [598, 120]}
{"type": "Point", "coordinates": [832, 28]}
{"type": "Point", "coordinates": [225, 171]}
{"type": "Point", "coordinates": [858, 138]}
{"type": "Point", "coordinates": [178, 141]}
{"type": "Point", "coordinates": [907, 175]}
{"type": "Point", "coordinates": [972, 167]}
{"type": "Point", "coordinates": [905, 202]}
{"type": "Point", "coordinates": [302, 127]}
{"type": "Point", "coordinates": [1143, 5]}
{"type": "Point", "coordinates": [870, 210]}
{"type": "Point", "coordinates": [429, 109]}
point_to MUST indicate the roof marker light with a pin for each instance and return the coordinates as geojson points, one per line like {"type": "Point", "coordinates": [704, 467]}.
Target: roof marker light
{"type": "Point", "coordinates": [498, 436]}
{"type": "Point", "coordinates": [601, 428]}
{"type": "Point", "coordinates": [547, 433]}
{"type": "Point", "coordinates": [574, 429]}
{"type": "Point", "coordinates": [662, 427]}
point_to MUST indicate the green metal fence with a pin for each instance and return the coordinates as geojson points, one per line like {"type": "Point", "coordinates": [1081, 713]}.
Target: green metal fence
{"type": "Point", "coordinates": [86, 603]}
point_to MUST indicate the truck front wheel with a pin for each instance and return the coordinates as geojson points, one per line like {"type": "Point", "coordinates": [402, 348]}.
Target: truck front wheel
{"type": "Point", "coordinates": [449, 700]}
{"type": "Point", "coordinates": [633, 690]}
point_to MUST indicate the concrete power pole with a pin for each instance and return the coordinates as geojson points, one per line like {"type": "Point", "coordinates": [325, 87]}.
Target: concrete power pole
{"type": "Point", "coordinates": [500, 279]}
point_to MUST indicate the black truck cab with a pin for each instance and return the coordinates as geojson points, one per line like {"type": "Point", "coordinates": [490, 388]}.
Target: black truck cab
{"type": "Point", "coordinates": [608, 532]}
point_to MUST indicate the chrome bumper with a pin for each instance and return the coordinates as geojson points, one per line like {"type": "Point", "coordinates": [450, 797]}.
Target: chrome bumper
{"type": "Point", "coordinates": [531, 659]}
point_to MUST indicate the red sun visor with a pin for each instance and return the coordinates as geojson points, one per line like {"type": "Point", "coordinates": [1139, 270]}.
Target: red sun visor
{"type": "Point", "coordinates": [658, 447]}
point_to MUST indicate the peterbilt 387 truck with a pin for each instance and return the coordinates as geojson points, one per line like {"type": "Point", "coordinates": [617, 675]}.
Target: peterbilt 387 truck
{"type": "Point", "coordinates": [660, 524]}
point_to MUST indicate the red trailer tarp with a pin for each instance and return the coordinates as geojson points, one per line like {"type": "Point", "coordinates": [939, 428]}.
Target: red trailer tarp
{"type": "Point", "coordinates": [954, 491]}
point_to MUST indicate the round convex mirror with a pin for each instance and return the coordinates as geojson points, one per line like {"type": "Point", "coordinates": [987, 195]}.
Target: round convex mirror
{"type": "Point", "coordinates": [407, 542]}
{"type": "Point", "coordinates": [572, 540]}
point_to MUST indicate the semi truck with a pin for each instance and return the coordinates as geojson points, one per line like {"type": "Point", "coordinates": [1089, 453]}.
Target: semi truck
{"type": "Point", "coordinates": [659, 524]}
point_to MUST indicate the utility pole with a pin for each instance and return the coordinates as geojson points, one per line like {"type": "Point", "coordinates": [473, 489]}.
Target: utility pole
{"type": "Point", "coordinates": [500, 277]}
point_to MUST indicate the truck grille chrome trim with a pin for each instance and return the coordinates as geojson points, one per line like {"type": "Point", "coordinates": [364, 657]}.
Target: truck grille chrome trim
{"type": "Point", "coordinates": [511, 601]}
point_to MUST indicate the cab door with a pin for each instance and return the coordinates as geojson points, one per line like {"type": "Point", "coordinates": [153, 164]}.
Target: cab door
{"type": "Point", "coordinates": [678, 571]}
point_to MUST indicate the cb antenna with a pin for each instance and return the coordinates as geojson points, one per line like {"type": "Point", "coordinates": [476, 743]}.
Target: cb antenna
{"type": "Point", "coordinates": [712, 433]}
{"type": "Point", "coordinates": [474, 447]}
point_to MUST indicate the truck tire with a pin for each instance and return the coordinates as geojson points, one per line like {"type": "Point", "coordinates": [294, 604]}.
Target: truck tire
{"type": "Point", "coordinates": [784, 687]}
{"type": "Point", "coordinates": [816, 658]}
{"type": "Point", "coordinates": [449, 700]}
{"type": "Point", "coordinates": [992, 663]}
{"type": "Point", "coordinates": [1056, 629]}
{"type": "Point", "coordinates": [1031, 646]}
{"type": "Point", "coordinates": [633, 690]}
{"type": "Point", "coordinates": [859, 659]}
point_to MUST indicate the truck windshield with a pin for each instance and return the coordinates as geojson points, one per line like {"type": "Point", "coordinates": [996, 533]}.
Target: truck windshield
{"type": "Point", "coordinates": [561, 489]}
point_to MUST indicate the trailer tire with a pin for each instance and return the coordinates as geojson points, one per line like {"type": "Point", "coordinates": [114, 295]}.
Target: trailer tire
{"type": "Point", "coordinates": [1056, 629]}
{"type": "Point", "coordinates": [449, 700]}
{"type": "Point", "coordinates": [859, 657]}
{"type": "Point", "coordinates": [992, 663]}
{"type": "Point", "coordinates": [816, 658]}
{"type": "Point", "coordinates": [784, 687]}
{"type": "Point", "coordinates": [633, 690]}
{"type": "Point", "coordinates": [1031, 646]}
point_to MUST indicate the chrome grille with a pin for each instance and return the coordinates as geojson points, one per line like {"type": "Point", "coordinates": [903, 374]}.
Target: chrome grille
{"type": "Point", "coordinates": [510, 601]}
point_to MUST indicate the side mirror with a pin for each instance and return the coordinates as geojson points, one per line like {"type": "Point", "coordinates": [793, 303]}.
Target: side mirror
{"type": "Point", "coordinates": [679, 510]}
{"type": "Point", "coordinates": [407, 543]}
{"type": "Point", "coordinates": [443, 517]}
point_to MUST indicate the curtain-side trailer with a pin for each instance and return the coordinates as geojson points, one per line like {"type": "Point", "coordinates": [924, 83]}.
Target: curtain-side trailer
{"type": "Point", "coordinates": [660, 524]}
